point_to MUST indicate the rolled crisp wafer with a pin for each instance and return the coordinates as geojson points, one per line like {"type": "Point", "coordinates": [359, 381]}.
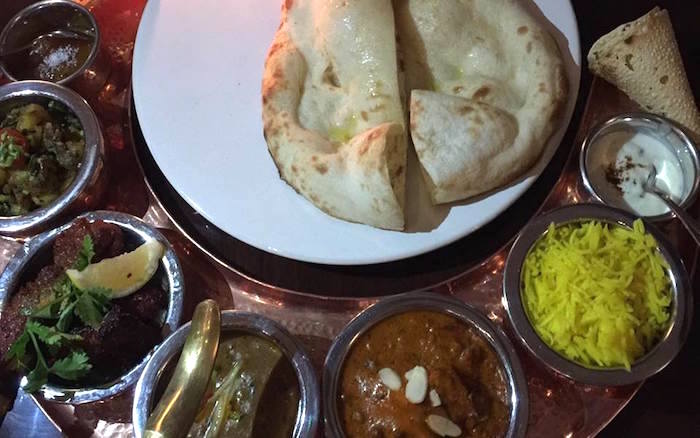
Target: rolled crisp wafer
{"type": "Point", "coordinates": [642, 59]}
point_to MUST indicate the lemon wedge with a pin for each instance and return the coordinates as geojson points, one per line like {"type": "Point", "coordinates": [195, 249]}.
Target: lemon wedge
{"type": "Point", "coordinates": [121, 275]}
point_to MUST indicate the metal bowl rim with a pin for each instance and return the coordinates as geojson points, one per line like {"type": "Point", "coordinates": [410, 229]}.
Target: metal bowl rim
{"type": "Point", "coordinates": [236, 320]}
{"type": "Point", "coordinates": [22, 259]}
{"type": "Point", "coordinates": [47, 4]}
{"type": "Point", "coordinates": [513, 374]}
{"type": "Point", "coordinates": [625, 119]}
{"type": "Point", "coordinates": [654, 360]}
{"type": "Point", "coordinates": [93, 156]}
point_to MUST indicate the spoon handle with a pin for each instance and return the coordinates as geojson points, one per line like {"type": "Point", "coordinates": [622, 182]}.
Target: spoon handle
{"type": "Point", "coordinates": [177, 408]}
{"type": "Point", "coordinates": [16, 50]}
{"type": "Point", "coordinates": [688, 222]}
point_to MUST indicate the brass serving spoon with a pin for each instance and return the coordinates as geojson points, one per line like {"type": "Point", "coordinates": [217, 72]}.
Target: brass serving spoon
{"type": "Point", "coordinates": [66, 34]}
{"type": "Point", "coordinates": [178, 407]}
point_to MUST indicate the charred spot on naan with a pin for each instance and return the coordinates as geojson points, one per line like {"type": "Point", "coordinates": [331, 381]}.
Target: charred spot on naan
{"type": "Point", "coordinates": [416, 107]}
{"type": "Point", "coordinates": [481, 93]}
{"type": "Point", "coordinates": [330, 77]}
{"type": "Point", "coordinates": [464, 110]}
{"type": "Point", "coordinates": [274, 48]}
{"type": "Point", "coordinates": [321, 168]}
{"type": "Point", "coordinates": [363, 149]}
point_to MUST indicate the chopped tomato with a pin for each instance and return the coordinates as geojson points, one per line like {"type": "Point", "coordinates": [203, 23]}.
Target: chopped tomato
{"type": "Point", "coordinates": [18, 140]}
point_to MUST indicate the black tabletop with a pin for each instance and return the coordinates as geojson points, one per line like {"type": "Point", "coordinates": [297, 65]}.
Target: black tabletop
{"type": "Point", "coordinates": [668, 404]}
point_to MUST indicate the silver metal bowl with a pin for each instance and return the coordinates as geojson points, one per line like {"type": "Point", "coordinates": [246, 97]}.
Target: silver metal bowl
{"type": "Point", "coordinates": [651, 363]}
{"type": "Point", "coordinates": [515, 381]}
{"type": "Point", "coordinates": [36, 253]}
{"type": "Point", "coordinates": [234, 321]}
{"type": "Point", "coordinates": [677, 141]}
{"type": "Point", "coordinates": [91, 168]}
{"type": "Point", "coordinates": [47, 10]}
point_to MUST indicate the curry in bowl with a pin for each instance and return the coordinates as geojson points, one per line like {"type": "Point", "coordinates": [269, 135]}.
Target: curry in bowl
{"type": "Point", "coordinates": [423, 374]}
{"type": "Point", "coordinates": [228, 374]}
{"type": "Point", "coordinates": [50, 40]}
{"type": "Point", "coordinates": [253, 391]}
{"type": "Point", "coordinates": [41, 149]}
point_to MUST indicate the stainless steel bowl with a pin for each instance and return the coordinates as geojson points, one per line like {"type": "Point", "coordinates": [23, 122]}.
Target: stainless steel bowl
{"type": "Point", "coordinates": [91, 168]}
{"type": "Point", "coordinates": [651, 363]}
{"type": "Point", "coordinates": [234, 321]}
{"type": "Point", "coordinates": [36, 253]}
{"type": "Point", "coordinates": [514, 377]}
{"type": "Point", "coordinates": [677, 141]}
{"type": "Point", "coordinates": [47, 10]}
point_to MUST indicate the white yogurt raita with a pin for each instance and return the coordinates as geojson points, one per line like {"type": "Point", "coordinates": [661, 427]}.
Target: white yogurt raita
{"type": "Point", "coordinates": [623, 164]}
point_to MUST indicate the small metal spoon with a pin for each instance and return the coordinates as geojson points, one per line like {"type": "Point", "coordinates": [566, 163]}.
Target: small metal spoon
{"type": "Point", "coordinates": [68, 34]}
{"type": "Point", "coordinates": [688, 222]}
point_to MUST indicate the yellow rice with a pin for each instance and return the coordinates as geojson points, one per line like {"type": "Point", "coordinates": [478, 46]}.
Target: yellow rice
{"type": "Point", "coordinates": [598, 294]}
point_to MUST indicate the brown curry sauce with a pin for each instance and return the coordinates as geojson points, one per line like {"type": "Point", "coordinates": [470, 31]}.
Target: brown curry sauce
{"type": "Point", "coordinates": [462, 368]}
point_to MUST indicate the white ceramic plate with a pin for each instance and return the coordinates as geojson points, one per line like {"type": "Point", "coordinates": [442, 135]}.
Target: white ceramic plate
{"type": "Point", "coordinates": [197, 76]}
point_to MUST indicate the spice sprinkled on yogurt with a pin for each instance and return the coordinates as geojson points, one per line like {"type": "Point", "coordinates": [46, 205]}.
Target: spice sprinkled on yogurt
{"type": "Point", "coordinates": [624, 160]}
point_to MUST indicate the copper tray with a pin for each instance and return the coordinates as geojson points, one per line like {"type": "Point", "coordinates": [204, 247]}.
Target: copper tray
{"type": "Point", "coordinates": [313, 301]}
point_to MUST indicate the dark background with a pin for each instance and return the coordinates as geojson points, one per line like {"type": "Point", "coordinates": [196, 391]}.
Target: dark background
{"type": "Point", "coordinates": [669, 403]}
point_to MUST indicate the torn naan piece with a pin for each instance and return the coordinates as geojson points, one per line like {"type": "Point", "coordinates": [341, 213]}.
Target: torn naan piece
{"type": "Point", "coordinates": [332, 111]}
{"type": "Point", "coordinates": [642, 59]}
{"type": "Point", "coordinates": [489, 88]}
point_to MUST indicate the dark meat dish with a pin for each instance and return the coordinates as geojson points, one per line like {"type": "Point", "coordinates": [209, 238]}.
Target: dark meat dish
{"type": "Point", "coordinates": [120, 341]}
{"type": "Point", "coordinates": [13, 317]}
{"type": "Point", "coordinates": [131, 326]}
{"type": "Point", "coordinates": [107, 239]}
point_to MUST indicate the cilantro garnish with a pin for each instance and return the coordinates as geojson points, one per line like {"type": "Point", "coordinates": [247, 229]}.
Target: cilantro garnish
{"type": "Point", "coordinates": [71, 367]}
{"type": "Point", "coordinates": [87, 252]}
{"type": "Point", "coordinates": [90, 305]}
{"type": "Point", "coordinates": [9, 151]}
{"type": "Point", "coordinates": [35, 334]}
{"type": "Point", "coordinates": [48, 327]}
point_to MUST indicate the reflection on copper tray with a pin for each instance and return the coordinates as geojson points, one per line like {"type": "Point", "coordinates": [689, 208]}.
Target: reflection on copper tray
{"type": "Point", "coordinates": [558, 406]}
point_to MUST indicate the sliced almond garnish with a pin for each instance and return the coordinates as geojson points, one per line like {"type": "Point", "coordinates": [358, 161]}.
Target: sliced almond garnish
{"type": "Point", "coordinates": [390, 379]}
{"type": "Point", "coordinates": [417, 385]}
{"type": "Point", "coordinates": [443, 426]}
{"type": "Point", "coordinates": [434, 398]}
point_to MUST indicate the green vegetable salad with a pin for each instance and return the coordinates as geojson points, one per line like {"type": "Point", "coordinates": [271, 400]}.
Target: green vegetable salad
{"type": "Point", "coordinates": [41, 148]}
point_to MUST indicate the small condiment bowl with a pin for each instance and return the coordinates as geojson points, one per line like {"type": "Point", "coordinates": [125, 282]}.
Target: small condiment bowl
{"type": "Point", "coordinates": [233, 321]}
{"type": "Point", "coordinates": [653, 361]}
{"type": "Point", "coordinates": [42, 17]}
{"type": "Point", "coordinates": [87, 185]}
{"type": "Point", "coordinates": [595, 153]}
{"type": "Point", "coordinates": [516, 384]}
{"type": "Point", "coordinates": [36, 253]}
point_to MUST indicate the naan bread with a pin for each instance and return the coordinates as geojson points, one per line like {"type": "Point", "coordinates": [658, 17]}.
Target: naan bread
{"type": "Point", "coordinates": [495, 86]}
{"type": "Point", "coordinates": [332, 109]}
{"type": "Point", "coordinates": [642, 59]}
